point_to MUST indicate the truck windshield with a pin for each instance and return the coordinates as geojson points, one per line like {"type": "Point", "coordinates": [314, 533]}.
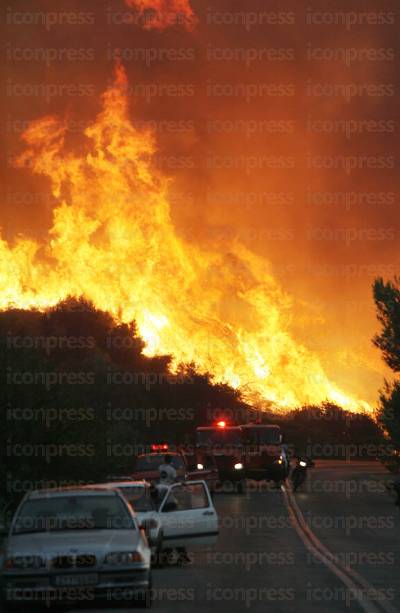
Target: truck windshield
{"type": "Point", "coordinates": [263, 436]}
{"type": "Point", "coordinates": [223, 437]}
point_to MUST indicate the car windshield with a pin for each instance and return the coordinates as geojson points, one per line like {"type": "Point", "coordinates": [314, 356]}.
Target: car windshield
{"type": "Point", "coordinates": [138, 497]}
{"type": "Point", "coordinates": [221, 437]}
{"type": "Point", "coordinates": [152, 462]}
{"type": "Point", "coordinates": [60, 513]}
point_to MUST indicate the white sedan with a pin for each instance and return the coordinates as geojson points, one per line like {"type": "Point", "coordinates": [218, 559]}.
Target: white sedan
{"type": "Point", "coordinates": [72, 544]}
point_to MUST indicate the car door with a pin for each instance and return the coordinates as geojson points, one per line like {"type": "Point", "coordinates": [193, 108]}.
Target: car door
{"type": "Point", "coordinates": [188, 516]}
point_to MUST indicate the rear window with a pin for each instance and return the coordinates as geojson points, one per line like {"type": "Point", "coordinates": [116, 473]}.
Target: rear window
{"type": "Point", "coordinates": [61, 513]}
{"type": "Point", "coordinates": [152, 462]}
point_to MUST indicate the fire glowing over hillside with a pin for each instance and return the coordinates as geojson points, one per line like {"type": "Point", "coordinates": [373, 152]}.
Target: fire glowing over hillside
{"type": "Point", "coordinates": [113, 241]}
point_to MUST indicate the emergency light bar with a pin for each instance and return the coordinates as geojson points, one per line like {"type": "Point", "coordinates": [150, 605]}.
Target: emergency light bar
{"type": "Point", "coordinates": [162, 447]}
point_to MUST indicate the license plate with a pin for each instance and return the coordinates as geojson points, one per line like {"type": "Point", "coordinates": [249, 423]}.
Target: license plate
{"type": "Point", "coordinates": [76, 580]}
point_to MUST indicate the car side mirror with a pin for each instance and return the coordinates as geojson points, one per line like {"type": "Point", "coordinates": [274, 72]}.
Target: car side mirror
{"type": "Point", "coordinates": [169, 507]}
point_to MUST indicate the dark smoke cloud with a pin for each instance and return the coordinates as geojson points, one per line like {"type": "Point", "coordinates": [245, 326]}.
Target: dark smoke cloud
{"type": "Point", "coordinates": [162, 14]}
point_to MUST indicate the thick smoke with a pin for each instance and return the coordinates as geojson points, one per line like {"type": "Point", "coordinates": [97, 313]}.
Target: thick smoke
{"type": "Point", "coordinates": [161, 14]}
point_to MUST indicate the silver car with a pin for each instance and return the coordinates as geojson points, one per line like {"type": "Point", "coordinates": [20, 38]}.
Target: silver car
{"type": "Point", "coordinates": [75, 544]}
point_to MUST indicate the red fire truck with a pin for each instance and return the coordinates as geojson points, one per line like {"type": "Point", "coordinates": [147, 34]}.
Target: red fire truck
{"type": "Point", "coordinates": [248, 451]}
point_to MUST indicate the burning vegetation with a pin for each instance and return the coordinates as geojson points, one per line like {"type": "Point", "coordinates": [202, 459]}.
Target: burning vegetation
{"type": "Point", "coordinates": [113, 241]}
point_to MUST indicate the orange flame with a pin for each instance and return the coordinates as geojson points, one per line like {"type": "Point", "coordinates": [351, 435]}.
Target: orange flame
{"type": "Point", "coordinates": [161, 14]}
{"type": "Point", "coordinates": [113, 241]}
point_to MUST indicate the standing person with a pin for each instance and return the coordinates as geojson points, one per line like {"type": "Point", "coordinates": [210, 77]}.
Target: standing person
{"type": "Point", "coordinates": [167, 471]}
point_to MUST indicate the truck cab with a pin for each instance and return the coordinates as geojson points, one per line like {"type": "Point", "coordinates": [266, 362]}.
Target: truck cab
{"type": "Point", "coordinates": [265, 452]}
{"type": "Point", "coordinates": [225, 443]}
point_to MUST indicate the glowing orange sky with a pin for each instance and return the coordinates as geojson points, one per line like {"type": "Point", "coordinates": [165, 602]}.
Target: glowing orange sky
{"type": "Point", "coordinates": [211, 143]}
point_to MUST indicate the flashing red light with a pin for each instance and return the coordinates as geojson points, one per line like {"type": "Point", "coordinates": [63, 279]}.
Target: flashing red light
{"type": "Point", "coordinates": [221, 424]}
{"type": "Point", "coordinates": [163, 447]}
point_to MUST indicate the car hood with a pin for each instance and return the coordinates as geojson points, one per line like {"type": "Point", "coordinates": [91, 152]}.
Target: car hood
{"type": "Point", "coordinates": [73, 541]}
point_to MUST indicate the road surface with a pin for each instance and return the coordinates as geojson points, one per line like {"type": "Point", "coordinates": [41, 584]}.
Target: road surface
{"type": "Point", "coordinates": [332, 547]}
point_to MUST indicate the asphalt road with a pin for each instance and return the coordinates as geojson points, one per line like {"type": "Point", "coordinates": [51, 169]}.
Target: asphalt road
{"type": "Point", "coordinates": [265, 561]}
{"type": "Point", "coordinates": [349, 510]}
{"type": "Point", "coordinates": [261, 561]}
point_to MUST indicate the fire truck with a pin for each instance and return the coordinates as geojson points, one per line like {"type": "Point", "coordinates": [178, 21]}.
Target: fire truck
{"type": "Point", "coordinates": [265, 452]}
{"type": "Point", "coordinates": [248, 451]}
{"type": "Point", "coordinates": [225, 443]}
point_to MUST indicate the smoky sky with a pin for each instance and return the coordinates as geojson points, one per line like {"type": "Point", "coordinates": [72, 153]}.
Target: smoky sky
{"type": "Point", "coordinates": [277, 121]}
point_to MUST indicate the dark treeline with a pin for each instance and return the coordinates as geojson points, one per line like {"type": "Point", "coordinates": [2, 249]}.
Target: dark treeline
{"type": "Point", "coordinates": [79, 399]}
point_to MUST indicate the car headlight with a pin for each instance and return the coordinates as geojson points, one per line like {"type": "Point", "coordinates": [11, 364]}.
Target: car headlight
{"type": "Point", "coordinates": [200, 467]}
{"type": "Point", "coordinates": [238, 466]}
{"type": "Point", "coordinates": [279, 460]}
{"type": "Point", "coordinates": [23, 562]}
{"type": "Point", "coordinates": [123, 557]}
{"type": "Point", "coordinates": [302, 463]}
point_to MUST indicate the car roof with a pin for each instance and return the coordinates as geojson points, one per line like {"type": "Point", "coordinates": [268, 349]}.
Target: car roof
{"type": "Point", "coordinates": [117, 484]}
{"type": "Point", "coordinates": [73, 491]}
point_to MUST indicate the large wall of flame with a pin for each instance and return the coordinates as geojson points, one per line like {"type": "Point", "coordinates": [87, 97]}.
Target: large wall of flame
{"type": "Point", "coordinates": [268, 211]}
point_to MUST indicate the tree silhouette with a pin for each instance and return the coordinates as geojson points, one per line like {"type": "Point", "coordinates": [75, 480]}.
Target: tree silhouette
{"type": "Point", "coordinates": [387, 300]}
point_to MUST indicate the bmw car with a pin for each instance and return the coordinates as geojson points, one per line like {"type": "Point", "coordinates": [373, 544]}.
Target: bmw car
{"type": "Point", "coordinates": [75, 544]}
